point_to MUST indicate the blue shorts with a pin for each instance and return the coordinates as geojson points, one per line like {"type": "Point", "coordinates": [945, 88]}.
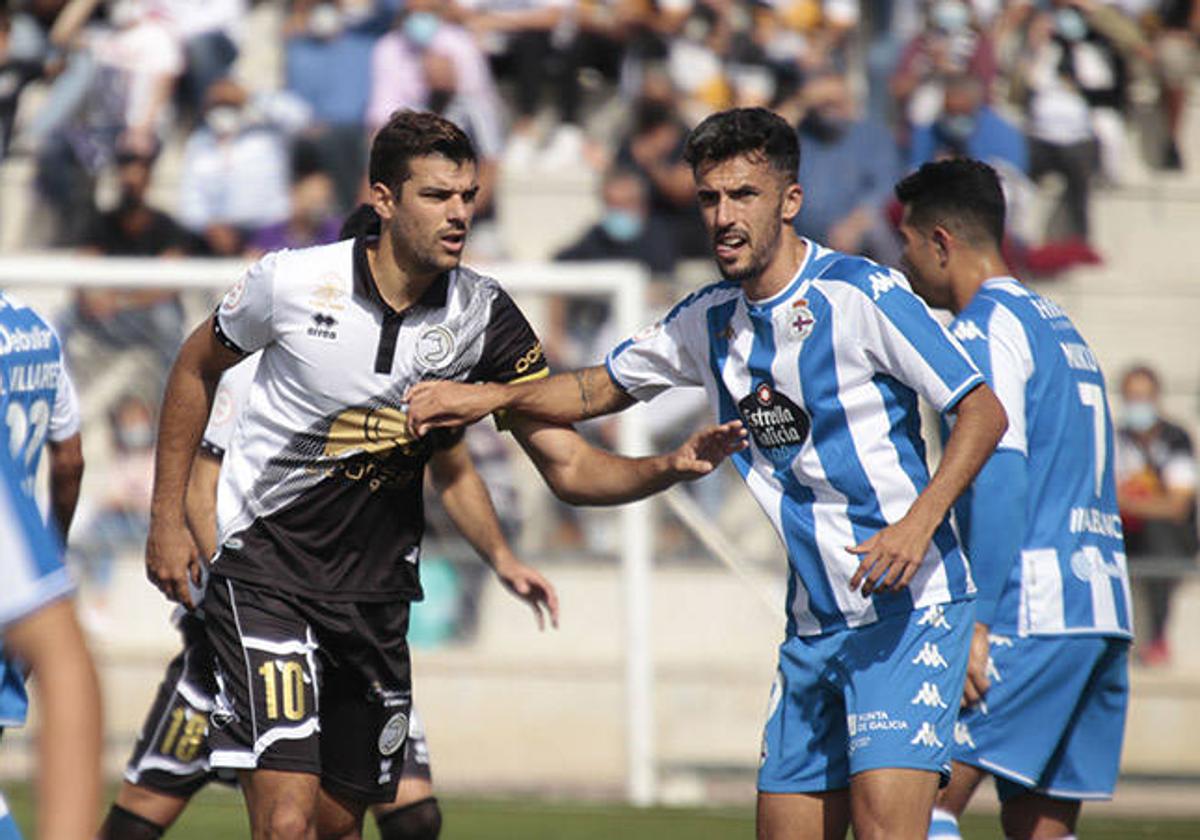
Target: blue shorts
{"type": "Point", "coordinates": [1054, 717]}
{"type": "Point", "coordinates": [884, 695]}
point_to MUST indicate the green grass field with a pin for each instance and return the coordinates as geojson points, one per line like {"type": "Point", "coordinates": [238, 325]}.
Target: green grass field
{"type": "Point", "coordinates": [218, 814]}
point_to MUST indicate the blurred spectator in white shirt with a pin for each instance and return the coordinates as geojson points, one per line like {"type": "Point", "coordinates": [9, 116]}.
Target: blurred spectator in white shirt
{"type": "Point", "coordinates": [236, 165]}
{"type": "Point", "coordinates": [209, 31]}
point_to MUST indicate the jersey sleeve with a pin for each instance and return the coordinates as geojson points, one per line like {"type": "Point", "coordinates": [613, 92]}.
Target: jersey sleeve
{"type": "Point", "coordinates": [31, 571]}
{"type": "Point", "coordinates": [1006, 361]}
{"type": "Point", "coordinates": [228, 402]}
{"type": "Point", "coordinates": [901, 338]}
{"type": "Point", "coordinates": [244, 322]}
{"type": "Point", "coordinates": [657, 357]}
{"type": "Point", "coordinates": [64, 418]}
{"type": "Point", "coordinates": [511, 349]}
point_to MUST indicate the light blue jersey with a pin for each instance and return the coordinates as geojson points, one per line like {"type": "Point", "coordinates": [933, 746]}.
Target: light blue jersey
{"type": "Point", "coordinates": [31, 570]}
{"type": "Point", "coordinates": [37, 403]}
{"type": "Point", "coordinates": [825, 376]}
{"type": "Point", "coordinates": [1064, 570]}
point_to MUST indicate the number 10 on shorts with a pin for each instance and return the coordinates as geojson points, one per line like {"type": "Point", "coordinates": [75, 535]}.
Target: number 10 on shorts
{"type": "Point", "coordinates": [283, 689]}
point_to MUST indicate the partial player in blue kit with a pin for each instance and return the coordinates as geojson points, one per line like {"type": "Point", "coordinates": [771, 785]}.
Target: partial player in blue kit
{"type": "Point", "coordinates": [39, 410]}
{"type": "Point", "coordinates": [39, 626]}
{"type": "Point", "coordinates": [1047, 684]}
{"type": "Point", "coordinates": [821, 356]}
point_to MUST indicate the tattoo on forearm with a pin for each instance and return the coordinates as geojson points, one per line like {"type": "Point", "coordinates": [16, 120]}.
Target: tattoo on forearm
{"type": "Point", "coordinates": [585, 395]}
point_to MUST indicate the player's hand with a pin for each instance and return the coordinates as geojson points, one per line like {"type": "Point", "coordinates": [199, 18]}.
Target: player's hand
{"type": "Point", "coordinates": [977, 682]}
{"type": "Point", "coordinates": [891, 557]}
{"type": "Point", "coordinates": [172, 560]}
{"type": "Point", "coordinates": [704, 451]}
{"type": "Point", "coordinates": [439, 404]}
{"type": "Point", "coordinates": [528, 584]}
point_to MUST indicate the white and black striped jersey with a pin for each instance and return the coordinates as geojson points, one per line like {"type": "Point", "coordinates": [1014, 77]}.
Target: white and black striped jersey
{"type": "Point", "coordinates": [320, 489]}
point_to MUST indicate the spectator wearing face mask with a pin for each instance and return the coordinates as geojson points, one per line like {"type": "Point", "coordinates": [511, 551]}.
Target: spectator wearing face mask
{"type": "Point", "coordinates": [235, 174]}
{"type": "Point", "coordinates": [625, 230]}
{"type": "Point", "coordinates": [949, 46]}
{"type": "Point", "coordinates": [1156, 492]}
{"type": "Point", "coordinates": [398, 78]}
{"type": "Point", "coordinates": [848, 166]}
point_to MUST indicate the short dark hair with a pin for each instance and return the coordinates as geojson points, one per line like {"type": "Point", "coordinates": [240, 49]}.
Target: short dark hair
{"type": "Point", "coordinates": [410, 134]}
{"type": "Point", "coordinates": [963, 195]}
{"type": "Point", "coordinates": [1142, 369]}
{"type": "Point", "coordinates": [741, 131]}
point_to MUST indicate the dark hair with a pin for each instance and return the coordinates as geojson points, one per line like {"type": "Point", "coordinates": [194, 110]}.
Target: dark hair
{"type": "Point", "coordinates": [410, 134]}
{"type": "Point", "coordinates": [362, 222]}
{"type": "Point", "coordinates": [1142, 369]}
{"type": "Point", "coordinates": [961, 194]}
{"type": "Point", "coordinates": [741, 131]}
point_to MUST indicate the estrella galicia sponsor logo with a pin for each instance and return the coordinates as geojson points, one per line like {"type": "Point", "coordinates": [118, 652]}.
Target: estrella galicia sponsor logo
{"type": "Point", "coordinates": [323, 326]}
{"type": "Point", "coordinates": [779, 426]}
{"type": "Point", "coordinates": [19, 340]}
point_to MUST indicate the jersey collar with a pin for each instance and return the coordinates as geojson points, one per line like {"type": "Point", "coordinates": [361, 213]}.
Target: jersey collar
{"type": "Point", "coordinates": [802, 272]}
{"type": "Point", "coordinates": [364, 282]}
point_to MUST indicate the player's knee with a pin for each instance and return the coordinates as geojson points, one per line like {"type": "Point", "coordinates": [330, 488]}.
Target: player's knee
{"type": "Point", "coordinates": [123, 824]}
{"type": "Point", "coordinates": [421, 820]}
{"type": "Point", "coordinates": [286, 821]}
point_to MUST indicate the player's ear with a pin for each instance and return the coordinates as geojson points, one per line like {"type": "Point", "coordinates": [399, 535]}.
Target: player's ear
{"type": "Point", "coordinates": [941, 239]}
{"type": "Point", "coordinates": [383, 200]}
{"type": "Point", "coordinates": [793, 200]}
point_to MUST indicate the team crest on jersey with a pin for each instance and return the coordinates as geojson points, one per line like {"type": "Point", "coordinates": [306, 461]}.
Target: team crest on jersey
{"type": "Point", "coordinates": [233, 298]}
{"type": "Point", "coordinates": [435, 347]}
{"type": "Point", "coordinates": [778, 425]}
{"type": "Point", "coordinates": [327, 296]}
{"type": "Point", "coordinates": [394, 732]}
{"type": "Point", "coordinates": [795, 322]}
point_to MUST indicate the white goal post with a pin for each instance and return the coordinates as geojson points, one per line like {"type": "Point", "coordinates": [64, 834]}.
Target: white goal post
{"type": "Point", "coordinates": [623, 284]}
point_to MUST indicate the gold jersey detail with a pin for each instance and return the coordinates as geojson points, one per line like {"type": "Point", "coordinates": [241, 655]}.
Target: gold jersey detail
{"type": "Point", "coordinates": [368, 430]}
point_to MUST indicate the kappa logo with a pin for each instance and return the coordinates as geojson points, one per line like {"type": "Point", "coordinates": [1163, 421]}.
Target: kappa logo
{"type": "Point", "coordinates": [992, 673]}
{"type": "Point", "coordinates": [929, 696]}
{"type": "Point", "coordinates": [962, 735]}
{"type": "Point", "coordinates": [966, 330]}
{"type": "Point", "coordinates": [926, 736]}
{"type": "Point", "coordinates": [999, 641]}
{"type": "Point", "coordinates": [935, 616]}
{"type": "Point", "coordinates": [882, 282]}
{"type": "Point", "coordinates": [930, 657]}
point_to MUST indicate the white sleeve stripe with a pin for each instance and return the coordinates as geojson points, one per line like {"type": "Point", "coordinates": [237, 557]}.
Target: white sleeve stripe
{"type": "Point", "coordinates": [1011, 361]}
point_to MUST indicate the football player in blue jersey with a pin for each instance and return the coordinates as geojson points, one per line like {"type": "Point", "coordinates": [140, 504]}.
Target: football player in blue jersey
{"type": "Point", "coordinates": [1047, 687]}
{"type": "Point", "coordinates": [39, 627]}
{"type": "Point", "coordinates": [821, 356]}
{"type": "Point", "coordinates": [39, 411]}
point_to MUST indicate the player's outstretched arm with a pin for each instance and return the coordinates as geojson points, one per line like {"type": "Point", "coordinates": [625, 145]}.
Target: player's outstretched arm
{"type": "Point", "coordinates": [66, 474]}
{"type": "Point", "coordinates": [562, 399]}
{"type": "Point", "coordinates": [170, 555]}
{"type": "Point", "coordinates": [69, 738]}
{"type": "Point", "coordinates": [470, 506]}
{"type": "Point", "coordinates": [892, 556]}
{"type": "Point", "coordinates": [581, 474]}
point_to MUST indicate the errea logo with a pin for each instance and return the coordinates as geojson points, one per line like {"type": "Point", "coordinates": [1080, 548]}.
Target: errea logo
{"type": "Point", "coordinates": [882, 282]}
{"type": "Point", "coordinates": [967, 330]}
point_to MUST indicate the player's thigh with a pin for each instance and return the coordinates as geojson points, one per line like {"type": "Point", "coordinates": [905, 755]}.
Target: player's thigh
{"type": "Point", "coordinates": [964, 781]}
{"type": "Point", "coordinates": [1033, 816]}
{"type": "Point", "coordinates": [892, 803]}
{"type": "Point", "coordinates": [803, 816]}
{"type": "Point", "coordinates": [339, 817]}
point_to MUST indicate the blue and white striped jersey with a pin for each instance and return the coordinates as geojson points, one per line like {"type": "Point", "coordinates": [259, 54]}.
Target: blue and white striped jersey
{"type": "Point", "coordinates": [31, 570]}
{"type": "Point", "coordinates": [1071, 574]}
{"type": "Point", "coordinates": [825, 376]}
{"type": "Point", "coordinates": [39, 401]}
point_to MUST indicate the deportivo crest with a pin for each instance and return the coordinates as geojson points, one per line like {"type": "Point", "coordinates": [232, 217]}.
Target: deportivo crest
{"type": "Point", "coordinates": [435, 348]}
{"type": "Point", "coordinates": [795, 322]}
{"type": "Point", "coordinates": [394, 732]}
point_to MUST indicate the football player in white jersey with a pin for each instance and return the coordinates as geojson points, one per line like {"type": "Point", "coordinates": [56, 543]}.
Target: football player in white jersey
{"type": "Point", "coordinates": [319, 505]}
{"type": "Point", "coordinates": [1048, 683]}
{"type": "Point", "coordinates": [822, 356]}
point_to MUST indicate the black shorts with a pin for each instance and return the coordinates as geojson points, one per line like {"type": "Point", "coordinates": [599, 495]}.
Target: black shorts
{"type": "Point", "coordinates": [310, 686]}
{"type": "Point", "coordinates": [171, 753]}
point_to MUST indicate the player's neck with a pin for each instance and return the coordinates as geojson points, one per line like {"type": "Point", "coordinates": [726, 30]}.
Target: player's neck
{"type": "Point", "coordinates": [977, 268]}
{"type": "Point", "coordinates": [399, 285]}
{"type": "Point", "coordinates": [780, 271]}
